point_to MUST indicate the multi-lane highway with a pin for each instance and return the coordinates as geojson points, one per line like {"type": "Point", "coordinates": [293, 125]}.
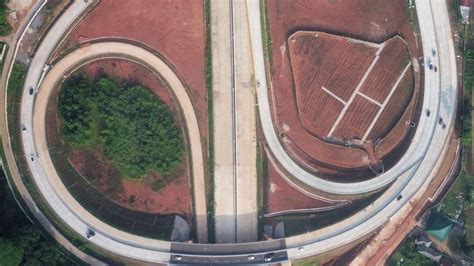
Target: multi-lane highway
{"type": "Point", "coordinates": [430, 138]}
{"type": "Point", "coordinates": [234, 116]}
{"type": "Point", "coordinates": [223, 121]}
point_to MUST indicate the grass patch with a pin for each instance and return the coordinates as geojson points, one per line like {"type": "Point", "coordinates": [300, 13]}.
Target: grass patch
{"type": "Point", "coordinates": [211, 205]}
{"type": "Point", "coordinates": [262, 175]}
{"type": "Point", "coordinates": [266, 34]}
{"type": "Point", "coordinates": [307, 262]}
{"type": "Point", "coordinates": [412, 16]}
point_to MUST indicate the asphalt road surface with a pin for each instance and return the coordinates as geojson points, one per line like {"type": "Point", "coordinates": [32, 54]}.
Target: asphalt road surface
{"type": "Point", "coordinates": [235, 148]}
{"type": "Point", "coordinates": [224, 124]}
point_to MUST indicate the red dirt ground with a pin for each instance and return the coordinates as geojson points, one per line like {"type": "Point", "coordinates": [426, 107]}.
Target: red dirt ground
{"type": "Point", "coordinates": [391, 114]}
{"type": "Point", "coordinates": [357, 119]}
{"type": "Point", "coordinates": [392, 61]}
{"type": "Point", "coordinates": [175, 197]}
{"type": "Point", "coordinates": [281, 196]}
{"type": "Point", "coordinates": [325, 60]}
{"type": "Point", "coordinates": [370, 20]}
{"type": "Point", "coordinates": [173, 28]}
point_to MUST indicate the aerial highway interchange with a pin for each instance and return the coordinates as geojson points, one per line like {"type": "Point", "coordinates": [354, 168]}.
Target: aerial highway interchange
{"type": "Point", "coordinates": [238, 57]}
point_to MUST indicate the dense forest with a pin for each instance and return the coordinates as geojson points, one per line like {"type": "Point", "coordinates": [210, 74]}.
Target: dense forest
{"type": "Point", "coordinates": [134, 127]}
{"type": "Point", "coordinates": [21, 243]}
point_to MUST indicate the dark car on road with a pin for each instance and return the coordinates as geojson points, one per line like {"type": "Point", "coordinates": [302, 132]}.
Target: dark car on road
{"type": "Point", "coordinates": [90, 233]}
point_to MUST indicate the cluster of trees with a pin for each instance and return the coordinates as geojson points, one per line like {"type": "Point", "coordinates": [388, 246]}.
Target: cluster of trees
{"type": "Point", "coordinates": [20, 242]}
{"type": "Point", "coordinates": [135, 128]}
{"type": "Point", "coordinates": [407, 255]}
{"type": "Point", "coordinates": [5, 27]}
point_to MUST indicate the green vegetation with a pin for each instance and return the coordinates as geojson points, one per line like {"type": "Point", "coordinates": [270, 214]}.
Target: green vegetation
{"type": "Point", "coordinates": [15, 86]}
{"type": "Point", "coordinates": [266, 34]}
{"type": "Point", "coordinates": [407, 255]}
{"type": "Point", "coordinates": [5, 28]}
{"type": "Point", "coordinates": [262, 176]}
{"type": "Point", "coordinates": [17, 78]}
{"type": "Point", "coordinates": [412, 16]}
{"type": "Point", "coordinates": [20, 242]}
{"type": "Point", "coordinates": [453, 202]}
{"type": "Point", "coordinates": [14, 91]}
{"type": "Point", "coordinates": [455, 11]}
{"type": "Point", "coordinates": [135, 129]}
{"type": "Point", "coordinates": [307, 262]}
{"type": "Point", "coordinates": [211, 205]}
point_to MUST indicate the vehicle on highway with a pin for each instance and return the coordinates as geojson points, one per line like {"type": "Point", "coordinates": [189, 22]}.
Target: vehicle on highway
{"type": "Point", "coordinates": [430, 65]}
{"type": "Point", "coordinates": [23, 128]}
{"type": "Point", "coordinates": [258, 84]}
{"type": "Point", "coordinates": [428, 112]}
{"type": "Point", "coordinates": [31, 90]}
{"type": "Point", "coordinates": [32, 157]}
{"type": "Point", "coordinates": [178, 258]}
{"type": "Point", "coordinates": [90, 233]}
{"type": "Point", "coordinates": [268, 257]}
{"type": "Point", "coordinates": [251, 257]}
{"type": "Point", "coordinates": [433, 52]}
{"type": "Point", "coordinates": [435, 69]}
{"type": "Point", "coordinates": [399, 197]}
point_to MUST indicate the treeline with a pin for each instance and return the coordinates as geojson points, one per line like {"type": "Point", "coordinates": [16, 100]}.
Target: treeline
{"type": "Point", "coordinates": [20, 242]}
{"type": "Point", "coordinates": [407, 255]}
{"type": "Point", "coordinates": [134, 127]}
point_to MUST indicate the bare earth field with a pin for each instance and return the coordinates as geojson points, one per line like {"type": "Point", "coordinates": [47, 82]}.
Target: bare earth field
{"type": "Point", "coordinates": [174, 197]}
{"type": "Point", "coordinates": [343, 86]}
{"type": "Point", "coordinates": [281, 196]}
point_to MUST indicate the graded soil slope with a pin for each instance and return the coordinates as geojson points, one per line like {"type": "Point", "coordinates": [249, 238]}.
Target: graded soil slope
{"type": "Point", "coordinates": [342, 84]}
{"type": "Point", "coordinates": [340, 101]}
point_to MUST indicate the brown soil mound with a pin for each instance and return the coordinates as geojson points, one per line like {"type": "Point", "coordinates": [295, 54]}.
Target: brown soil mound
{"type": "Point", "coordinates": [332, 73]}
{"type": "Point", "coordinates": [305, 113]}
